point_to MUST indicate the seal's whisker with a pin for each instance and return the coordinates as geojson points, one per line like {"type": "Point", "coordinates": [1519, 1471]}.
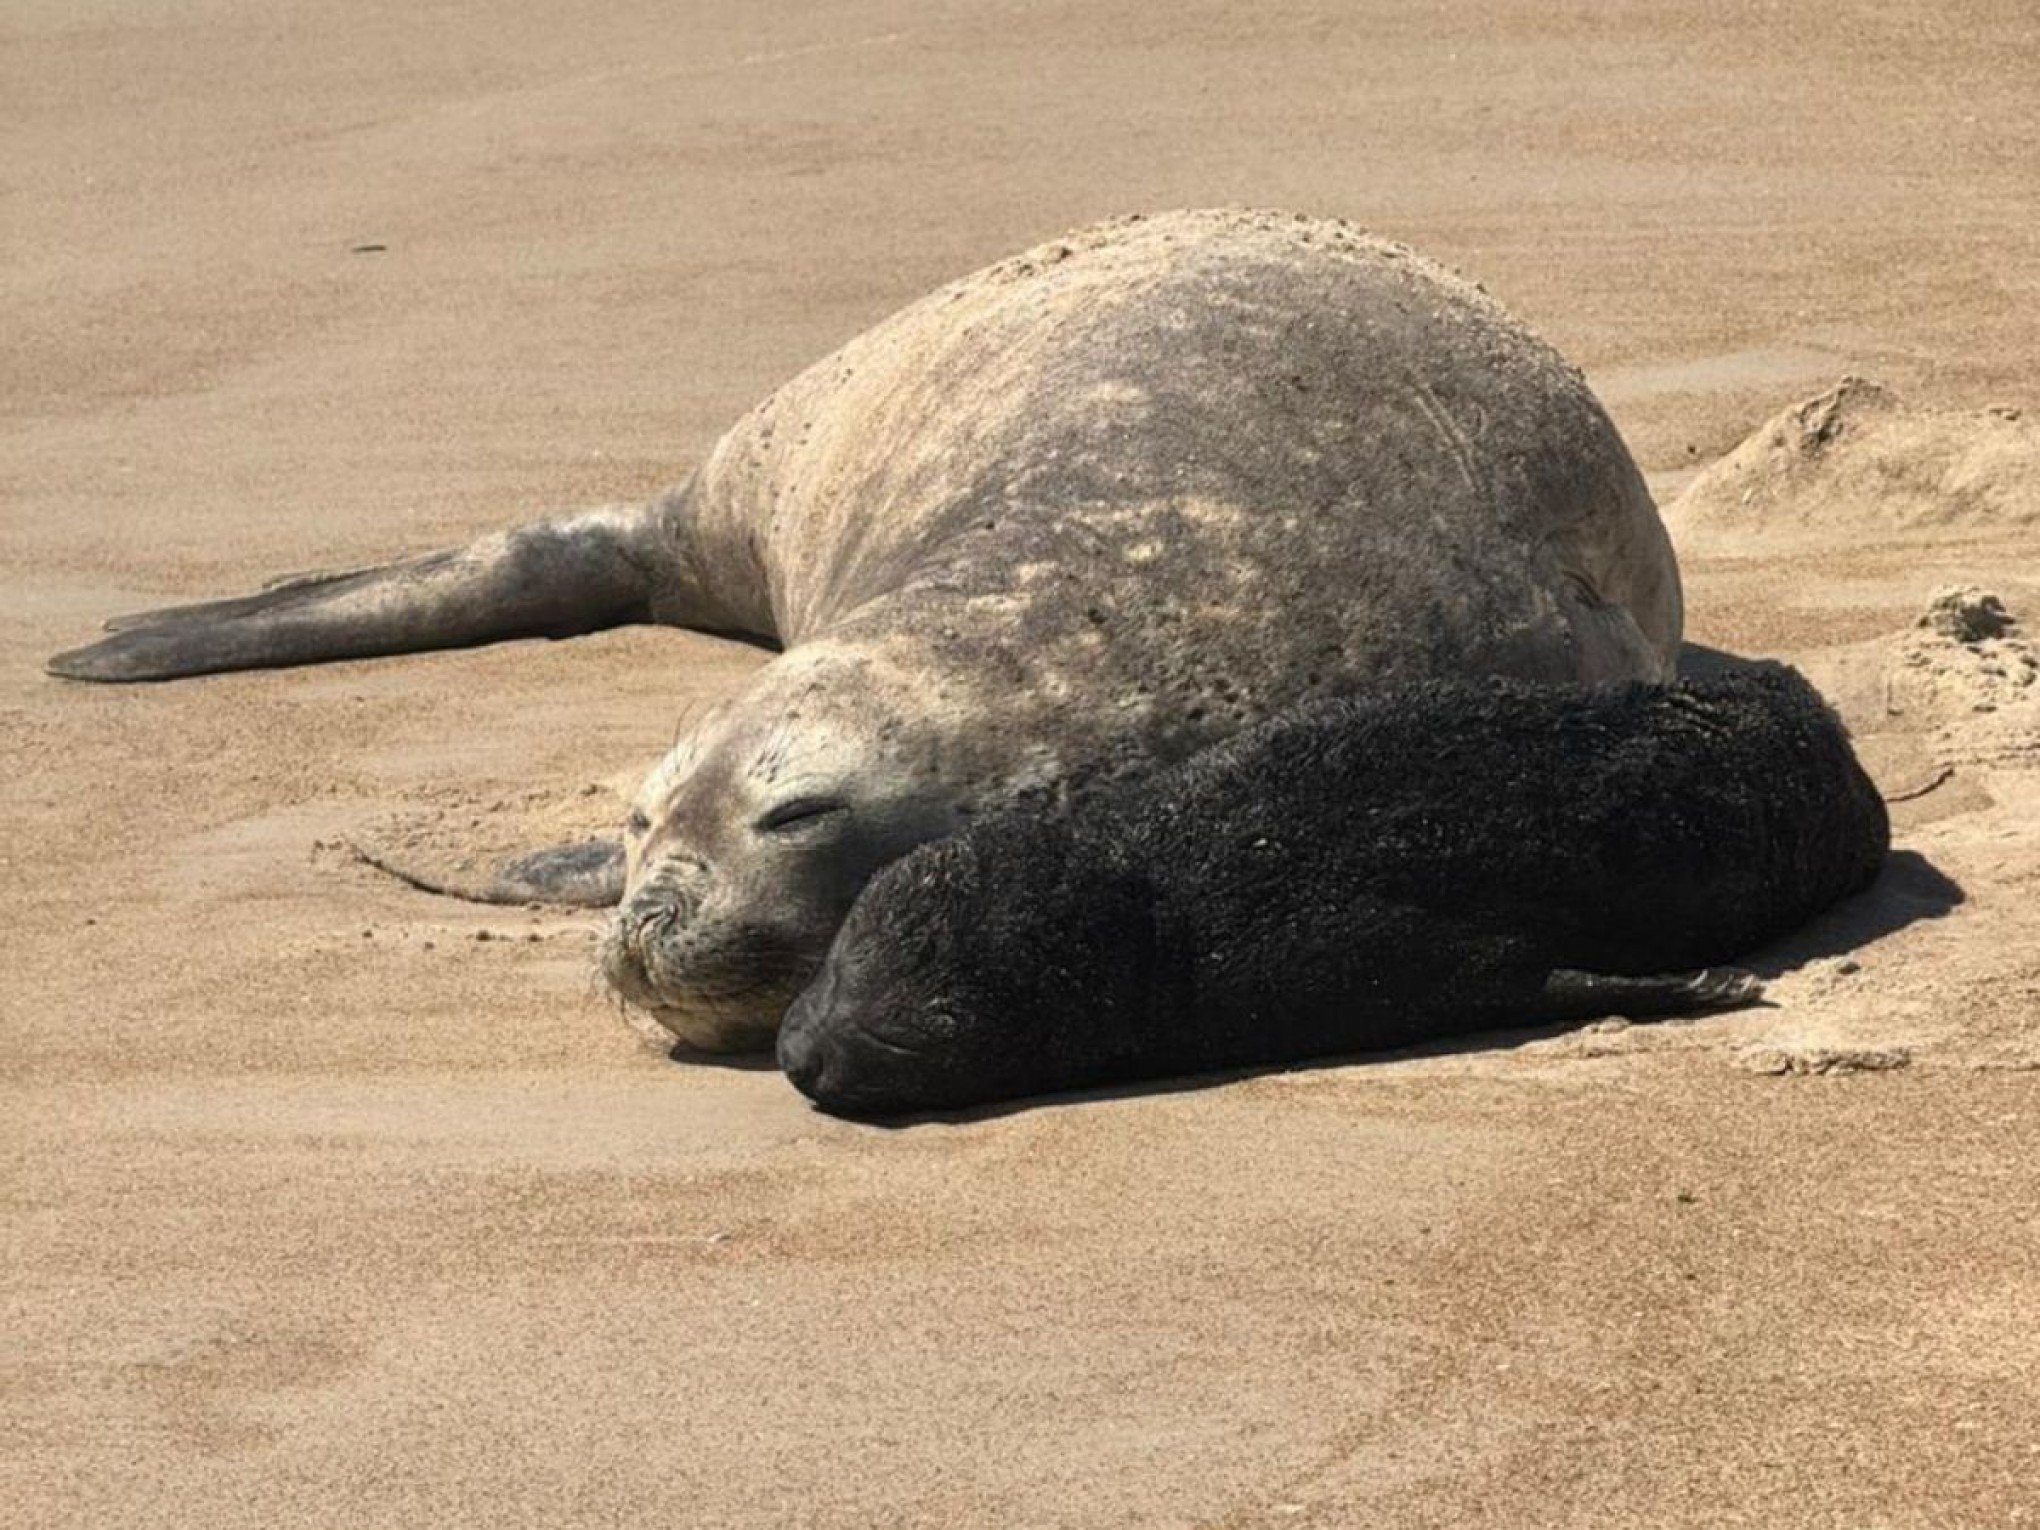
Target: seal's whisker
{"type": "Point", "coordinates": [688, 709]}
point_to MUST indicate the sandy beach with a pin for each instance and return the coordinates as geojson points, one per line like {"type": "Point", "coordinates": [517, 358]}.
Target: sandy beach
{"type": "Point", "coordinates": [331, 1202]}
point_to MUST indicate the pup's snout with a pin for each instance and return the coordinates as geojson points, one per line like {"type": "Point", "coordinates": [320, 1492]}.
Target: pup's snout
{"type": "Point", "coordinates": [809, 1052]}
{"type": "Point", "coordinates": [828, 1055]}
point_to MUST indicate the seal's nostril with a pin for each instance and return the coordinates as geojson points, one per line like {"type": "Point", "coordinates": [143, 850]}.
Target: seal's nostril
{"type": "Point", "coordinates": [637, 934]}
{"type": "Point", "coordinates": [644, 924]}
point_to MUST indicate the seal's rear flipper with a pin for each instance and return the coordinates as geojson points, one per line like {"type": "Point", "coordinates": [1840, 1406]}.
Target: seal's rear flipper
{"type": "Point", "coordinates": [1570, 995]}
{"type": "Point", "coordinates": [550, 579]}
{"type": "Point", "coordinates": [585, 874]}
{"type": "Point", "coordinates": [269, 598]}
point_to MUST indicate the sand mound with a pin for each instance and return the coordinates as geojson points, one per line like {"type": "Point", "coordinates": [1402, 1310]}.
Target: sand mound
{"type": "Point", "coordinates": [1941, 705]}
{"type": "Point", "coordinates": [1856, 461]}
{"type": "Point", "coordinates": [1965, 668]}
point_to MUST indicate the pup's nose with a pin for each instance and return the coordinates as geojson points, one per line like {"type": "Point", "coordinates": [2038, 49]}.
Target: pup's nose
{"type": "Point", "coordinates": [806, 1052]}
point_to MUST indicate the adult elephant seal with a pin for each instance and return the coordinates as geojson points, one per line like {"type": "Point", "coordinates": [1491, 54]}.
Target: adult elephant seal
{"type": "Point", "coordinates": [1073, 516]}
{"type": "Point", "coordinates": [1364, 872]}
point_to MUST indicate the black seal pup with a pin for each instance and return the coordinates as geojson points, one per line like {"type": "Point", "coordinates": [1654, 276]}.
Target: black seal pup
{"type": "Point", "coordinates": [1075, 516]}
{"type": "Point", "coordinates": [1451, 856]}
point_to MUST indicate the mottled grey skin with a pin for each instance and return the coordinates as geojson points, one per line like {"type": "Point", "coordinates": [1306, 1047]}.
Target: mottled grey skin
{"type": "Point", "coordinates": [1073, 516]}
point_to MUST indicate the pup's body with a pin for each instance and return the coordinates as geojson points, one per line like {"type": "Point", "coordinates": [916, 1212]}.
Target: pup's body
{"type": "Point", "coordinates": [1447, 857]}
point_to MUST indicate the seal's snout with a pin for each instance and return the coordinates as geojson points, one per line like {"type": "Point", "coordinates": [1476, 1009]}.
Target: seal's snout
{"type": "Point", "coordinates": [649, 953]}
{"type": "Point", "coordinates": [655, 914]}
{"type": "Point", "coordinates": [683, 951]}
{"type": "Point", "coordinates": [641, 938]}
{"type": "Point", "coordinates": [642, 925]}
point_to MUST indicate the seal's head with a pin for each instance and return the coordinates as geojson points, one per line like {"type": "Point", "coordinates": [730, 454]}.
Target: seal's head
{"type": "Point", "coordinates": [749, 842]}
{"type": "Point", "coordinates": [983, 967]}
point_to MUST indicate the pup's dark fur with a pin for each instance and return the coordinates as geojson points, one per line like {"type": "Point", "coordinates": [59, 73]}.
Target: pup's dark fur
{"type": "Point", "coordinates": [1450, 857]}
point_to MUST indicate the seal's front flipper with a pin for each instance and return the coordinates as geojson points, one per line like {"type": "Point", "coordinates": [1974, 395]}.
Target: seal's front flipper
{"type": "Point", "coordinates": [549, 579]}
{"type": "Point", "coordinates": [585, 874]}
{"type": "Point", "coordinates": [1570, 995]}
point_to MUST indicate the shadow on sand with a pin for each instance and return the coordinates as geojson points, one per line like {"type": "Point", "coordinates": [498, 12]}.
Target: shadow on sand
{"type": "Point", "coordinates": [1910, 888]}
{"type": "Point", "coordinates": [735, 1062]}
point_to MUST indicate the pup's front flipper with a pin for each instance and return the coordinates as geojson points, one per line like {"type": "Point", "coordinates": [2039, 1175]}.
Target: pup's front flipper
{"type": "Point", "coordinates": [1571, 995]}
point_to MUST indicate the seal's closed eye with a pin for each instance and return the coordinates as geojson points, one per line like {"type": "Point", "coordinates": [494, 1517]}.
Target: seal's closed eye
{"type": "Point", "coordinates": [798, 813]}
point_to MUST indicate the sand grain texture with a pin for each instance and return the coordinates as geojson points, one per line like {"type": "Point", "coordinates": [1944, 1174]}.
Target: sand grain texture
{"type": "Point", "coordinates": [324, 1209]}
